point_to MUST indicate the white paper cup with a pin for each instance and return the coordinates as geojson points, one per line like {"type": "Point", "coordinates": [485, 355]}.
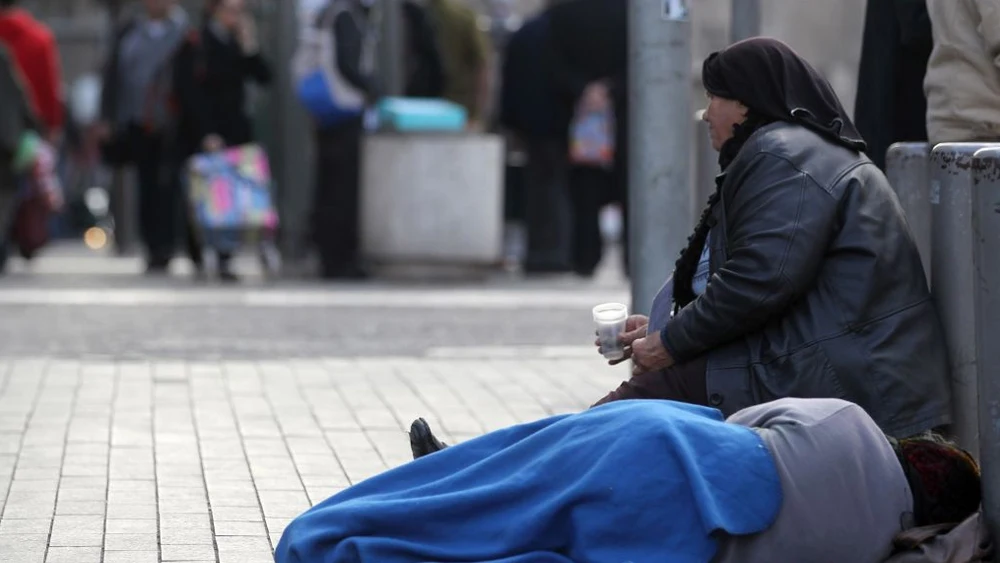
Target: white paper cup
{"type": "Point", "coordinates": [610, 319]}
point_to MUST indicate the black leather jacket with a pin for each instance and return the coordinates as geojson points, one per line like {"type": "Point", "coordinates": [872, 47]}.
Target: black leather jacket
{"type": "Point", "coordinates": [817, 289]}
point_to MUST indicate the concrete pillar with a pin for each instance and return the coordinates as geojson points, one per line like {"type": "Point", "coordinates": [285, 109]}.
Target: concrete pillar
{"type": "Point", "coordinates": [907, 170]}
{"type": "Point", "coordinates": [953, 277]}
{"type": "Point", "coordinates": [292, 153]}
{"type": "Point", "coordinates": [660, 142]}
{"type": "Point", "coordinates": [744, 20]}
{"type": "Point", "coordinates": [986, 226]}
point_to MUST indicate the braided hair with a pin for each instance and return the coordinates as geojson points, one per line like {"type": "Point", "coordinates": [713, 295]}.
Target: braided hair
{"type": "Point", "coordinates": [687, 263]}
{"type": "Point", "coordinates": [944, 479]}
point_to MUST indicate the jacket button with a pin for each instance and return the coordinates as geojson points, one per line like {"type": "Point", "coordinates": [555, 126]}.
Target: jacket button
{"type": "Point", "coordinates": [715, 399]}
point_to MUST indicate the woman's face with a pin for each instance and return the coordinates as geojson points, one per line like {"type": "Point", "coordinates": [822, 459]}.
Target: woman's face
{"type": "Point", "coordinates": [721, 115]}
{"type": "Point", "coordinates": [228, 13]}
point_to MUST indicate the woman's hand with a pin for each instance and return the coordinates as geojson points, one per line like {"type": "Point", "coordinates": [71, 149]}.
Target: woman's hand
{"type": "Point", "coordinates": [648, 354]}
{"type": "Point", "coordinates": [635, 328]}
{"type": "Point", "coordinates": [246, 34]}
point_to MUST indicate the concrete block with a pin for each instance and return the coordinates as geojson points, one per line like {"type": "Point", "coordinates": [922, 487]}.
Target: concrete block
{"type": "Point", "coordinates": [432, 200]}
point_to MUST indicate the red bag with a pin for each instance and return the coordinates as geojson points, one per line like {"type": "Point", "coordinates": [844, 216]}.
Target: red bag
{"type": "Point", "coordinates": [30, 229]}
{"type": "Point", "coordinates": [39, 197]}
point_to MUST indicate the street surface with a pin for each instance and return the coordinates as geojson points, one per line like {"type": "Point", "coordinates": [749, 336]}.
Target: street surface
{"type": "Point", "coordinates": [147, 420]}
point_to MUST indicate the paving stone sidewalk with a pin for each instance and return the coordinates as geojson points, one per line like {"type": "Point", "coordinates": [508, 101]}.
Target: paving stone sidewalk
{"type": "Point", "coordinates": [135, 462]}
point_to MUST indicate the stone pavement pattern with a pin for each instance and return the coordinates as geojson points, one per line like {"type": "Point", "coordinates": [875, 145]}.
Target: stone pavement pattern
{"type": "Point", "coordinates": [208, 461]}
{"type": "Point", "coordinates": [111, 454]}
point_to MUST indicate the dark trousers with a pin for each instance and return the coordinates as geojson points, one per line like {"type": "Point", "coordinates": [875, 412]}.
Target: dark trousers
{"type": "Point", "coordinates": [158, 193]}
{"type": "Point", "coordinates": [335, 200]}
{"type": "Point", "coordinates": [548, 207]}
{"type": "Point", "coordinates": [683, 382]}
{"type": "Point", "coordinates": [591, 189]}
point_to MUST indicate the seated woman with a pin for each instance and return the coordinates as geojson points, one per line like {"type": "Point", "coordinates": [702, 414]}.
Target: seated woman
{"type": "Point", "coordinates": [802, 278]}
{"type": "Point", "coordinates": [810, 479]}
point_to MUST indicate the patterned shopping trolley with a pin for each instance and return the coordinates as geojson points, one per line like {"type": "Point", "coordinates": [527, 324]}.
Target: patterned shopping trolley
{"type": "Point", "coordinates": [230, 202]}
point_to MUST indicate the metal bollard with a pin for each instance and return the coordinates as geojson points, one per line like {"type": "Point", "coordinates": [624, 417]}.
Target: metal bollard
{"type": "Point", "coordinates": [952, 278]}
{"type": "Point", "coordinates": [986, 226]}
{"type": "Point", "coordinates": [124, 210]}
{"type": "Point", "coordinates": [906, 167]}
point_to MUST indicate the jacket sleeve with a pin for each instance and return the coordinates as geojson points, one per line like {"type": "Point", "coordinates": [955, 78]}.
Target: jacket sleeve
{"type": "Point", "coordinates": [989, 27]}
{"type": "Point", "coordinates": [779, 225]}
{"type": "Point", "coordinates": [349, 41]}
{"type": "Point", "coordinates": [50, 103]}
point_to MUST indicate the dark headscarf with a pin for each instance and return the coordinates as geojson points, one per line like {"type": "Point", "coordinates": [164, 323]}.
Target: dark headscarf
{"type": "Point", "coordinates": [776, 84]}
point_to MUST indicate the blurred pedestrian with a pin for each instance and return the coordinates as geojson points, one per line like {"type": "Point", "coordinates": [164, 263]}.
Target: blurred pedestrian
{"type": "Point", "coordinates": [34, 49]}
{"type": "Point", "coordinates": [336, 83]}
{"type": "Point", "coordinates": [963, 74]}
{"type": "Point", "coordinates": [211, 72]}
{"type": "Point", "coordinates": [585, 52]}
{"type": "Point", "coordinates": [422, 63]}
{"type": "Point", "coordinates": [531, 115]}
{"type": "Point", "coordinates": [890, 105]}
{"type": "Point", "coordinates": [137, 114]}
{"type": "Point", "coordinates": [16, 118]}
{"type": "Point", "coordinates": [465, 51]}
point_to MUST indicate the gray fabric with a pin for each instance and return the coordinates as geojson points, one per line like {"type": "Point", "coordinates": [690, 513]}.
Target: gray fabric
{"type": "Point", "coordinates": [143, 64]}
{"type": "Point", "coordinates": [817, 289]}
{"type": "Point", "coordinates": [844, 495]}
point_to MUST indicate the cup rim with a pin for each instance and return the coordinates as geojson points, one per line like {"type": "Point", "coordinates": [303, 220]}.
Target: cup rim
{"type": "Point", "coordinates": [607, 308]}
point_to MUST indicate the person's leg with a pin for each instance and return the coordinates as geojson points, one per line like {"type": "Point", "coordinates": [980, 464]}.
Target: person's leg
{"type": "Point", "coordinates": [336, 200]}
{"type": "Point", "coordinates": [150, 199]}
{"type": "Point", "coordinates": [683, 382]}
{"type": "Point", "coordinates": [588, 187]}
{"type": "Point", "coordinates": [547, 207]}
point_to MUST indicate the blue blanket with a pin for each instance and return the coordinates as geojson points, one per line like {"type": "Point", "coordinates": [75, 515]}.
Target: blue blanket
{"type": "Point", "coordinates": [631, 481]}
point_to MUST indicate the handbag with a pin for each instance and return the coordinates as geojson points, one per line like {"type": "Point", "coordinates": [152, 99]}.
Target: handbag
{"type": "Point", "coordinates": [34, 164]}
{"type": "Point", "coordinates": [230, 190]}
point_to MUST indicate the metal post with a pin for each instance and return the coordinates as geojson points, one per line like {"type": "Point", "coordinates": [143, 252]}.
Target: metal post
{"type": "Point", "coordinates": [952, 277]}
{"type": "Point", "coordinates": [745, 20]}
{"type": "Point", "coordinates": [292, 150]}
{"type": "Point", "coordinates": [122, 195]}
{"type": "Point", "coordinates": [906, 167]}
{"type": "Point", "coordinates": [986, 226]}
{"type": "Point", "coordinates": [391, 50]}
{"type": "Point", "coordinates": [660, 142]}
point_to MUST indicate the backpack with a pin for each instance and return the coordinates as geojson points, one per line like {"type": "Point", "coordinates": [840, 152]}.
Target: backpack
{"type": "Point", "coordinates": [968, 542]}
{"type": "Point", "coordinates": [325, 93]}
